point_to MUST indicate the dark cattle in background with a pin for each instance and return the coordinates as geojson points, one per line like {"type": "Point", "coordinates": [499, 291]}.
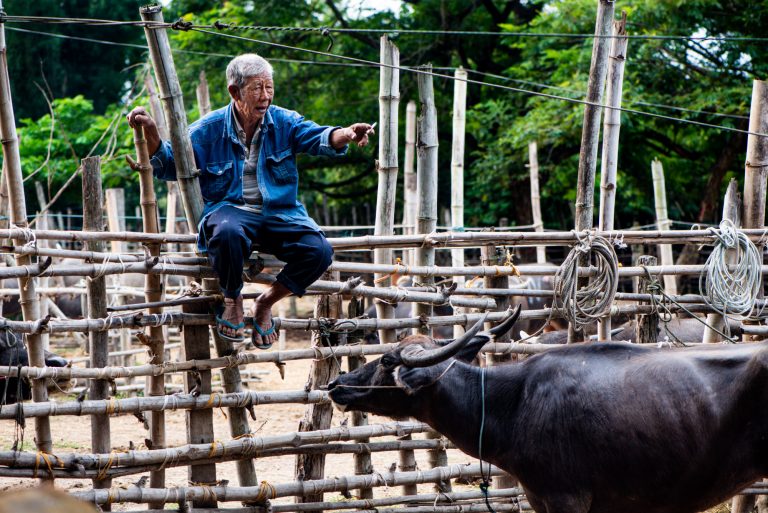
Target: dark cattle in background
{"type": "Point", "coordinates": [12, 354]}
{"type": "Point", "coordinates": [686, 330]}
{"type": "Point", "coordinates": [588, 428]}
{"type": "Point", "coordinates": [403, 310]}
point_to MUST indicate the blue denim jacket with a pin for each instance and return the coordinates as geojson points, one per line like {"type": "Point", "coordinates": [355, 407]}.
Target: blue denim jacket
{"type": "Point", "coordinates": [219, 156]}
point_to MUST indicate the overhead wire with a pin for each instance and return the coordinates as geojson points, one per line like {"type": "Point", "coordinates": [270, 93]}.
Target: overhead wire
{"type": "Point", "coordinates": [419, 70]}
{"type": "Point", "coordinates": [393, 31]}
{"type": "Point", "coordinates": [365, 63]}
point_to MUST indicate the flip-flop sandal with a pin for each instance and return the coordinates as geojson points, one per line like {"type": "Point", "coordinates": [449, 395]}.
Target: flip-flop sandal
{"type": "Point", "coordinates": [263, 333]}
{"type": "Point", "coordinates": [223, 322]}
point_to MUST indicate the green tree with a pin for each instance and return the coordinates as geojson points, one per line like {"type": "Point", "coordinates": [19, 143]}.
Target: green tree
{"type": "Point", "coordinates": [69, 67]}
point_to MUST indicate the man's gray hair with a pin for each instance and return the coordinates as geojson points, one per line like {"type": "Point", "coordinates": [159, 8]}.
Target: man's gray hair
{"type": "Point", "coordinates": [245, 66]}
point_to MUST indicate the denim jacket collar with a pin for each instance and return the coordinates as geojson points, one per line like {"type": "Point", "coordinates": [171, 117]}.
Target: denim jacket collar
{"type": "Point", "coordinates": [230, 127]}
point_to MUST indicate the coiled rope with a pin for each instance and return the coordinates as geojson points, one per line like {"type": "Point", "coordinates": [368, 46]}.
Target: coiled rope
{"type": "Point", "coordinates": [732, 275]}
{"type": "Point", "coordinates": [586, 304]}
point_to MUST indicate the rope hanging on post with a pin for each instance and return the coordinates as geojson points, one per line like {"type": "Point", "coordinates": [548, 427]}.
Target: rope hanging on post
{"type": "Point", "coordinates": [582, 306]}
{"type": "Point", "coordinates": [732, 288]}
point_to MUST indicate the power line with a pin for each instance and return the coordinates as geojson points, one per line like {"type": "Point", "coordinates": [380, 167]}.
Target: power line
{"type": "Point", "coordinates": [498, 86]}
{"type": "Point", "coordinates": [370, 65]}
{"type": "Point", "coordinates": [634, 102]}
{"type": "Point", "coordinates": [185, 25]}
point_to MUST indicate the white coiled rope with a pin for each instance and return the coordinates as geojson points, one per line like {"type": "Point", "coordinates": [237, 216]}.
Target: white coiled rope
{"type": "Point", "coordinates": [593, 301]}
{"type": "Point", "coordinates": [732, 276]}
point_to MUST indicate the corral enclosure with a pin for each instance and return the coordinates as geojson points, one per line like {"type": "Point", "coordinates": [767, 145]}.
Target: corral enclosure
{"type": "Point", "coordinates": [218, 427]}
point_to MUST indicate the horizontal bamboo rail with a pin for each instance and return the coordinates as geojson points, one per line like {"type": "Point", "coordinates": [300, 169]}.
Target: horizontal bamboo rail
{"type": "Point", "coordinates": [438, 240]}
{"type": "Point", "coordinates": [269, 491]}
{"type": "Point", "coordinates": [165, 403]}
{"type": "Point", "coordinates": [324, 448]}
{"type": "Point", "coordinates": [250, 446]}
{"type": "Point", "coordinates": [424, 498]}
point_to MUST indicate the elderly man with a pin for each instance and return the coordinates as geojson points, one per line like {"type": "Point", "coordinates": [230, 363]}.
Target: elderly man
{"type": "Point", "coordinates": [246, 155]}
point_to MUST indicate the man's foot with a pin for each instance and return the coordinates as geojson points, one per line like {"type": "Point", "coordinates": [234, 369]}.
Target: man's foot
{"type": "Point", "coordinates": [229, 322]}
{"type": "Point", "coordinates": [264, 332]}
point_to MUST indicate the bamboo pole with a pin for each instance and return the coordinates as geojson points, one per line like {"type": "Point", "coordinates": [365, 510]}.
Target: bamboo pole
{"type": "Point", "coordinates": [662, 221]}
{"type": "Point", "coordinates": [389, 100]}
{"type": "Point", "coordinates": [155, 107]}
{"type": "Point", "coordinates": [426, 178]}
{"type": "Point", "coordinates": [30, 304]}
{"type": "Point", "coordinates": [97, 307]}
{"type": "Point", "coordinates": [755, 175]}
{"type": "Point", "coordinates": [611, 130]}
{"type": "Point", "coordinates": [323, 371]}
{"type": "Point", "coordinates": [457, 168]}
{"type": "Point", "coordinates": [165, 71]}
{"type": "Point", "coordinates": [591, 130]}
{"type": "Point", "coordinates": [438, 240]}
{"type": "Point", "coordinates": [590, 135]}
{"type": "Point", "coordinates": [410, 196]}
{"type": "Point", "coordinates": [269, 491]}
{"type": "Point", "coordinates": [153, 291]}
{"type": "Point", "coordinates": [115, 206]}
{"type": "Point", "coordinates": [250, 446]}
{"type": "Point", "coordinates": [363, 464]}
{"type": "Point", "coordinates": [237, 454]}
{"type": "Point", "coordinates": [203, 95]}
{"type": "Point", "coordinates": [538, 224]}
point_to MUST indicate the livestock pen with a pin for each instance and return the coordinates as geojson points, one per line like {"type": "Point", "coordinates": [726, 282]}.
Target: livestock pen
{"type": "Point", "coordinates": [586, 290]}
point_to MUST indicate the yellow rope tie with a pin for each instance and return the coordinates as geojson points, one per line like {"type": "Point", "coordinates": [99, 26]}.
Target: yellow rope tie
{"type": "Point", "coordinates": [110, 498]}
{"type": "Point", "coordinates": [508, 262]}
{"type": "Point", "coordinates": [264, 488]}
{"type": "Point", "coordinates": [213, 448]}
{"type": "Point", "coordinates": [113, 406]}
{"type": "Point", "coordinates": [44, 456]}
{"type": "Point", "coordinates": [113, 457]}
{"type": "Point", "coordinates": [398, 263]}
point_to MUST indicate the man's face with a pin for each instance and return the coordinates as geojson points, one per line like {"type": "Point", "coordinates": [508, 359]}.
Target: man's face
{"type": "Point", "coordinates": [253, 99]}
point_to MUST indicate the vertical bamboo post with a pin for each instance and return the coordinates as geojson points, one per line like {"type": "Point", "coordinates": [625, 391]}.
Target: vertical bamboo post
{"type": "Point", "coordinates": [662, 222]}
{"type": "Point", "coordinates": [538, 223]}
{"type": "Point", "coordinates": [323, 371]}
{"type": "Point", "coordinates": [97, 307]}
{"type": "Point", "coordinates": [195, 338]}
{"type": "Point", "coordinates": [42, 224]}
{"type": "Point", "coordinates": [647, 324]}
{"type": "Point", "coordinates": [30, 305]}
{"type": "Point", "coordinates": [732, 212]}
{"type": "Point", "coordinates": [153, 291]}
{"type": "Point", "coordinates": [426, 221]}
{"type": "Point", "coordinates": [170, 91]}
{"type": "Point", "coordinates": [410, 196]}
{"type": "Point", "coordinates": [611, 130]}
{"type": "Point", "coordinates": [203, 96]}
{"type": "Point", "coordinates": [457, 172]}
{"type": "Point", "coordinates": [115, 203]}
{"type": "Point", "coordinates": [389, 99]}
{"type": "Point", "coordinates": [489, 256]}
{"type": "Point", "coordinates": [426, 178]}
{"type": "Point", "coordinates": [590, 135]}
{"type": "Point", "coordinates": [4, 203]}
{"type": "Point", "coordinates": [359, 418]}
{"type": "Point", "coordinates": [155, 107]}
{"type": "Point", "coordinates": [755, 171]}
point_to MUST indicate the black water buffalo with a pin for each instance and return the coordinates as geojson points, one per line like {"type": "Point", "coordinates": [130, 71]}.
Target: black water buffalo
{"type": "Point", "coordinates": [588, 428]}
{"type": "Point", "coordinates": [12, 354]}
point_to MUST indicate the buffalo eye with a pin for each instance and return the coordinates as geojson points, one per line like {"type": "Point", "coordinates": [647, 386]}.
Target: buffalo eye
{"type": "Point", "coordinates": [388, 361]}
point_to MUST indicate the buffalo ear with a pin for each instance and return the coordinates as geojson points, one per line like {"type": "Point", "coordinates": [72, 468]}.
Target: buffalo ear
{"type": "Point", "coordinates": [469, 351]}
{"type": "Point", "coordinates": [411, 379]}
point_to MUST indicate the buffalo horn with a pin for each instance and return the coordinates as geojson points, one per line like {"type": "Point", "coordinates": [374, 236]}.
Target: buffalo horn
{"type": "Point", "coordinates": [506, 325]}
{"type": "Point", "coordinates": [417, 356]}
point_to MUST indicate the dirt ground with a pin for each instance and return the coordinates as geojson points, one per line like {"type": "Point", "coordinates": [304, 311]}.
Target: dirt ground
{"type": "Point", "coordinates": [73, 435]}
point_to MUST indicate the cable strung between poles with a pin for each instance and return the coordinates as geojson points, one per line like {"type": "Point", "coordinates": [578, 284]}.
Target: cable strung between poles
{"type": "Point", "coordinates": [478, 82]}
{"type": "Point", "coordinates": [732, 288]}
{"type": "Point", "coordinates": [582, 306]}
